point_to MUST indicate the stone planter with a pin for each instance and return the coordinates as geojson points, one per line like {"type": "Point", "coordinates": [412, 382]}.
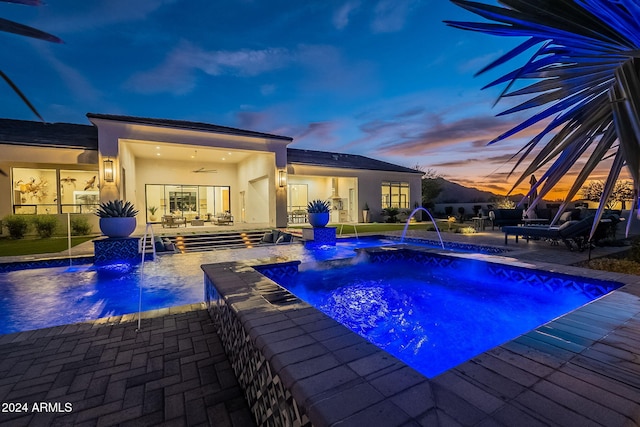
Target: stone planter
{"type": "Point", "coordinates": [365, 215]}
{"type": "Point", "coordinates": [118, 227]}
{"type": "Point", "coordinates": [319, 219]}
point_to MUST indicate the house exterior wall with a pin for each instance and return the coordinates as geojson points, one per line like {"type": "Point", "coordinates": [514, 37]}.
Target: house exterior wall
{"type": "Point", "coordinates": [256, 180]}
{"type": "Point", "coordinates": [369, 185]}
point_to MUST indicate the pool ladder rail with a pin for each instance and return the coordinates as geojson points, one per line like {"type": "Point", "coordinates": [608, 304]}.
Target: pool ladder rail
{"type": "Point", "coordinates": [147, 230]}
{"type": "Point", "coordinates": [355, 230]}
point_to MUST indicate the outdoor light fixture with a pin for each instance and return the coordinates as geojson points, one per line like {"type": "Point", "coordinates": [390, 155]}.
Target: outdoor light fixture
{"type": "Point", "coordinates": [282, 178]}
{"type": "Point", "coordinates": [108, 170]}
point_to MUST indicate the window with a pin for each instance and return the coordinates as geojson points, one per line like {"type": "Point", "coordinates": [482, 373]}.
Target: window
{"type": "Point", "coordinates": [395, 195]}
{"type": "Point", "coordinates": [51, 191]}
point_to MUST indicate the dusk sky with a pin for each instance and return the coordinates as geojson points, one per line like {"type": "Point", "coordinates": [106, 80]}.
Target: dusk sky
{"type": "Point", "coordinates": [382, 78]}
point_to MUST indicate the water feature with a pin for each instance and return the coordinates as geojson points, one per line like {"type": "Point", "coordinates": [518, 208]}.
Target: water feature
{"type": "Point", "coordinates": [406, 226]}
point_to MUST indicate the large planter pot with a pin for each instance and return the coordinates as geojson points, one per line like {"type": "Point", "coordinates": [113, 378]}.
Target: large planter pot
{"type": "Point", "coordinates": [319, 219]}
{"type": "Point", "coordinates": [365, 215]}
{"type": "Point", "coordinates": [117, 227]}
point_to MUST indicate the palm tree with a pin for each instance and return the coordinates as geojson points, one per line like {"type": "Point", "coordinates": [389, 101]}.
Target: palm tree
{"type": "Point", "coordinates": [24, 30]}
{"type": "Point", "coordinates": [583, 80]}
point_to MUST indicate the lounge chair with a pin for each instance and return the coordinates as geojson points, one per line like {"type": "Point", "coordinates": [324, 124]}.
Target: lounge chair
{"type": "Point", "coordinates": [572, 233]}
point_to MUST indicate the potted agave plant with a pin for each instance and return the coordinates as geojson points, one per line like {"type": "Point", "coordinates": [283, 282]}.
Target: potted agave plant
{"type": "Point", "coordinates": [318, 211]}
{"type": "Point", "coordinates": [117, 218]}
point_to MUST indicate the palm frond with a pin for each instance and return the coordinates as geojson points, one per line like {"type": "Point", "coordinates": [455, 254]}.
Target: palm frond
{"type": "Point", "coordinates": [27, 31]}
{"type": "Point", "coordinates": [20, 94]}
{"type": "Point", "coordinates": [585, 89]}
{"type": "Point", "coordinates": [24, 30]}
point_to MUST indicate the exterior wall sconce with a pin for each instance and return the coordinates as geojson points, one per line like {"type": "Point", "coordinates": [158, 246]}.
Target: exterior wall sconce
{"type": "Point", "coordinates": [108, 170]}
{"type": "Point", "coordinates": [282, 178]}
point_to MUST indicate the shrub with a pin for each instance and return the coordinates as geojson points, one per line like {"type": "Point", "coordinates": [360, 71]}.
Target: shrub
{"type": "Point", "coordinates": [466, 230]}
{"type": "Point", "coordinates": [80, 226]}
{"type": "Point", "coordinates": [505, 204]}
{"type": "Point", "coordinates": [615, 265]}
{"type": "Point", "coordinates": [17, 225]}
{"type": "Point", "coordinates": [45, 225]}
{"type": "Point", "coordinates": [392, 214]}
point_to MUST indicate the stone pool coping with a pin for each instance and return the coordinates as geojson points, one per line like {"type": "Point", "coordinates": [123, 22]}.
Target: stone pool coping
{"type": "Point", "coordinates": [579, 369]}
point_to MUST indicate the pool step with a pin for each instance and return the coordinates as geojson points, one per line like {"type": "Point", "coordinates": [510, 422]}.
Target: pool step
{"type": "Point", "coordinates": [213, 241]}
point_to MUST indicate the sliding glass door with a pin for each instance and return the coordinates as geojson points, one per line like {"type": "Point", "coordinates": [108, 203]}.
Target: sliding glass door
{"type": "Point", "coordinates": [189, 201]}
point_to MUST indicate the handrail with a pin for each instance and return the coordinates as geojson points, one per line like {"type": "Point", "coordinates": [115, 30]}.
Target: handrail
{"type": "Point", "coordinates": [355, 229]}
{"type": "Point", "coordinates": [141, 281]}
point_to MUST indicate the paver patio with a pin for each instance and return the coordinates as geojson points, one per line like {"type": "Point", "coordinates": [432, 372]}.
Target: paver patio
{"type": "Point", "coordinates": [582, 370]}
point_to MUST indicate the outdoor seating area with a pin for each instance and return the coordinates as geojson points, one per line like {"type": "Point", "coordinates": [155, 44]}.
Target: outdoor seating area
{"type": "Point", "coordinates": [173, 221]}
{"type": "Point", "coordinates": [573, 233]}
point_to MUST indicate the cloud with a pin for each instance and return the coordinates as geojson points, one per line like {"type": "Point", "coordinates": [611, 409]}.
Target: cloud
{"type": "Point", "coordinates": [326, 69]}
{"type": "Point", "coordinates": [431, 133]}
{"type": "Point", "coordinates": [79, 86]}
{"type": "Point", "coordinates": [267, 90]}
{"type": "Point", "coordinates": [391, 15]}
{"type": "Point", "coordinates": [94, 15]}
{"type": "Point", "coordinates": [318, 133]}
{"type": "Point", "coordinates": [253, 120]}
{"type": "Point", "coordinates": [341, 16]}
{"type": "Point", "coordinates": [177, 73]}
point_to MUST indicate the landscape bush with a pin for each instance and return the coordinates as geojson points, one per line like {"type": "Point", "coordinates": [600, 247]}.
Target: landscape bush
{"type": "Point", "coordinates": [17, 225]}
{"type": "Point", "coordinates": [626, 266]}
{"type": "Point", "coordinates": [45, 225]}
{"type": "Point", "coordinates": [80, 226]}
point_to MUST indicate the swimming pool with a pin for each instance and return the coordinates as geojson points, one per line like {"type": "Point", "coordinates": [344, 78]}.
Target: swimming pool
{"type": "Point", "coordinates": [433, 311]}
{"type": "Point", "coordinates": [33, 298]}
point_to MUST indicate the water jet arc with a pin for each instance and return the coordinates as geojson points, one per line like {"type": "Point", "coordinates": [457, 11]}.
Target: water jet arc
{"type": "Point", "coordinates": [406, 226]}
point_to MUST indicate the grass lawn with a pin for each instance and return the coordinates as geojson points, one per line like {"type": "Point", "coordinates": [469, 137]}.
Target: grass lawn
{"type": "Point", "coordinates": [28, 246]}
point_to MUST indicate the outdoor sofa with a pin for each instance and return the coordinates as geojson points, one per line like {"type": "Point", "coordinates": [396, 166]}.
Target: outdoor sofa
{"type": "Point", "coordinates": [173, 221]}
{"type": "Point", "coordinates": [223, 219]}
{"type": "Point", "coordinates": [505, 217]}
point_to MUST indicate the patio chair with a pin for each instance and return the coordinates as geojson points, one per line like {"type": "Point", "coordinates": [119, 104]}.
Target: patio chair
{"type": "Point", "coordinates": [574, 234]}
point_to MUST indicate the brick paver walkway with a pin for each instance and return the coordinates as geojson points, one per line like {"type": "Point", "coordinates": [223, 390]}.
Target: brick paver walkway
{"type": "Point", "coordinates": [102, 373]}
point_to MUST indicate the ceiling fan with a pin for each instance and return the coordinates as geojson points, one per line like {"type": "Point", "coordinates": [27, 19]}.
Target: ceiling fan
{"type": "Point", "coordinates": [205, 170]}
{"type": "Point", "coordinates": [202, 170]}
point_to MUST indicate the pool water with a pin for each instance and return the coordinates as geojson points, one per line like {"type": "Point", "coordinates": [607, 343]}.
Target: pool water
{"type": "Point", "coordinates": [38, 298]}
{"type": "Point", "coordinates": [431, 318]}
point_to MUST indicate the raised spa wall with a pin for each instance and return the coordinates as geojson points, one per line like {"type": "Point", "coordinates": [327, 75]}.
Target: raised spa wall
{"type": "Point", "coordinates": [299, 367]}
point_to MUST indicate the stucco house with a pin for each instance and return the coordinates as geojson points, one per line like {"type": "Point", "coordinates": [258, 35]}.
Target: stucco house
{"type": "Point", "coordinates": [190, 169]}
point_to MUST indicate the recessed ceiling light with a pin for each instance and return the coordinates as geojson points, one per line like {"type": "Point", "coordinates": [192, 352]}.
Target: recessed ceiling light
{"type": "Point", "coordinates": [224, 158]}
{"type": "Point", "coordinates": [157, 148]}
{"type": "Point", "coordinates": [157, 154]}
